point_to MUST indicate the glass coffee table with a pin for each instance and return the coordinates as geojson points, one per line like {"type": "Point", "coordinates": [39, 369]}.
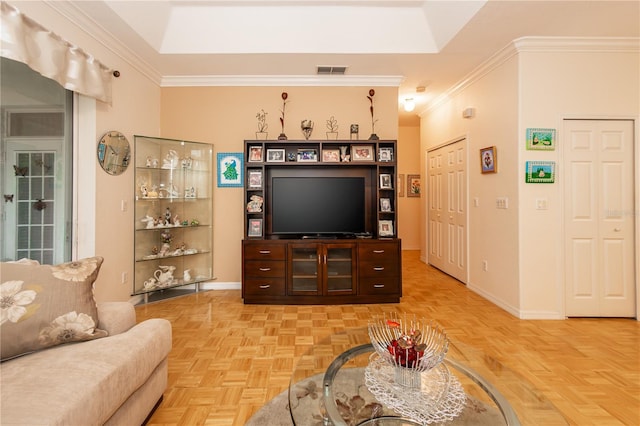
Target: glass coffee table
{"type": "Point", "coordinates": [341, 381]}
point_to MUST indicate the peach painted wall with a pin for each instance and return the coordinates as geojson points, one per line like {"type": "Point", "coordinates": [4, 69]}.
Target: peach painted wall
{"type": "Point", "coordinates": [409, 207]}
{"type": "Point", "coordinates": [589, 85]}
{"type": "Point", "coordinates": [226, 116]}
{"type": "Point", "coordinates": [525, 89]}
{"type": "Point", "coordinates": [492, 233]}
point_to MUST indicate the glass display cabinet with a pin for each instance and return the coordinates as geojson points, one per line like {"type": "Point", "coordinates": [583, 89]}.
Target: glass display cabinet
{"type": "Point", "coordinates": [173, 215]}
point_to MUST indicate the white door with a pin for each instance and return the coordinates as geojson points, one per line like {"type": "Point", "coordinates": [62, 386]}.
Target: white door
{"type": "Point", "coordinates": [599, 220]}
{"type": "Point", "coordinates": [447, 209]}
{"type": "Point", "coordinates": [34, 204]}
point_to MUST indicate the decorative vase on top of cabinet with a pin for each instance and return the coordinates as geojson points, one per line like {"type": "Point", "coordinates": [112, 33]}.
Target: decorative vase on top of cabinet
{"type": "Point", "coordinates": [173, 217]}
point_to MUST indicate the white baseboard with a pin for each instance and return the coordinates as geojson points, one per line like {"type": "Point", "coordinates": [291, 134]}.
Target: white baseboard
{"type": "Point", "coordinates": [528, 315]}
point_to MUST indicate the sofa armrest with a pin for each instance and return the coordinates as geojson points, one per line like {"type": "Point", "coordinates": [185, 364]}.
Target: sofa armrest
{"type": "Point", "coordinates": [116, 317]}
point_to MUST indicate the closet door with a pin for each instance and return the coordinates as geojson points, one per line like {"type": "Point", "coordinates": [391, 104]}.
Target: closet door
{"type": "Point", "coordinates": [599, 218]}
{"type": "Point", "coordinates": [447, 209]}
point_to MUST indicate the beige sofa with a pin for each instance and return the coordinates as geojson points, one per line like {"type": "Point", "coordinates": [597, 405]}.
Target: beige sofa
{"type": "Point", "coordinates": [115, 380]}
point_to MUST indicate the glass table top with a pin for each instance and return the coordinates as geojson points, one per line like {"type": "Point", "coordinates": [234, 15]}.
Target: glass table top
{"type": "Point", "coordinates": [341, 381]}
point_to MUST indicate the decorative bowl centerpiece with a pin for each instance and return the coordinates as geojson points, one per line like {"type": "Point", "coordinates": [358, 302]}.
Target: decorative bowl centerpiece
{"type": "Point", "coordinates": [411, 346]}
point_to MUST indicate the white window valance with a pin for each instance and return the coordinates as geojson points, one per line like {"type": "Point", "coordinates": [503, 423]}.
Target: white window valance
{"type": "Point", "coordinates": [24, 40]}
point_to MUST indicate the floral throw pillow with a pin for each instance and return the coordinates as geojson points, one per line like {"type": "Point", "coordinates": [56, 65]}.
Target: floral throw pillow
{"type": "Point", "coordinates": [44, 305]}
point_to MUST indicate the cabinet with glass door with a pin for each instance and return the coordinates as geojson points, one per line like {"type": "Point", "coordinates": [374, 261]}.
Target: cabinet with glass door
{"type": "Point", "coordinates": [322, 269]}
{"type": "Point", "coordinates": [173, 216]}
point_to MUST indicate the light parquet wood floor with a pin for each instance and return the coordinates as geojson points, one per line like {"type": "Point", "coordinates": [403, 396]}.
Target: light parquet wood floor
{"type": "Point", "coordinates": [229, 359]}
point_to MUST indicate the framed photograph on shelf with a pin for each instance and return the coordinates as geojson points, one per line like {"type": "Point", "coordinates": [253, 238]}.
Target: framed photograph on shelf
{"type": "Point", "coordinates": [488, 160]}
{"type": "Point", "coordinates": [413, 185]}
{"type": "Point", "coordinates": [385, 204]}
{"type": "Point", "coordinates": [385, 181]}
{"type": "Point", "coordinates": [330, 155]}
{"type": "Point", "coordinates": [255, 154]}
{"type": "Point", "coordinates": [255, 179]}
{"type": "Point", "coordinates": [385, 154]}
{"type": "Point", "coordinates": [362, 153]}
{"type": "Point", "coordinates": [255, 228]}
{"type": "Point", "coordinates": [308, 155]}
{"type": "Point", "coordinates": [275, 156]}
{"type": "Point", "coordinates": [541, 139]}
{"type": "Point", "coordinates": [385, 228]}
{"type": "Point", "coordinates": [230, 168]}
{"type": "Point", "coordinates": [540, 172]}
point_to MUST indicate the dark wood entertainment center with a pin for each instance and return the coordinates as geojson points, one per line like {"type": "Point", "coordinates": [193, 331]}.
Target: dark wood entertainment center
{"type": "Point", "coordinates": [283, 268]}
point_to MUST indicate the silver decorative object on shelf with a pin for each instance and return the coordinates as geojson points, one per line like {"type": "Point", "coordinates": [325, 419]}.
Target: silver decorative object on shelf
{"type": "Point", "coordinates": [307, 128]}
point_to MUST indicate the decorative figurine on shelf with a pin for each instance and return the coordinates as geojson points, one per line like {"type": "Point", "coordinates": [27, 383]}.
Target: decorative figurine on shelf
{"type": "Point", "coordinates": [307, 128]}
{"type": "Point", "coordinates": [144, 190]}
{"type": "Point", "coordinates": [284, 96]}
{"type": "Point", "coordinates": [150, 284]}
{"type": "Point", "coordinates": [176, 220]}
{"type": "Point", "coordinates": [148, 220]}
{"type": "Point", "coordinates": [195, 222]}
{"type": "Point", "coordinates": [171, 160]}
{"type": "Point", "coordinates": [185, 223]}
{"type": "Point", "coordinates": [186, 275]}
{"type": "Point", "coordinates": [154, 250]}
{"type": "Point", "coordinates": [166, 237]}
{"type": "Point", "coordinates": [373, 136]}
{"type": "Point", "coordinates": [151, 162]}
{"type": "Point", "coordinates": [187, 163]}
{"type": "Point", "coordinates": [190, 192]}
{"type": "Point", "coordinates": [255, 205]}
{"type": "Point", "coordinates": [167, 217]}
{"type": "Point", "coordinates": [164, 275]}
{"type": "Point", "coordinates": [164, 250]}
{"type": "Point", "coordinates": [153, 193]}
{"type": "Point", "coordinates": [344, 157]}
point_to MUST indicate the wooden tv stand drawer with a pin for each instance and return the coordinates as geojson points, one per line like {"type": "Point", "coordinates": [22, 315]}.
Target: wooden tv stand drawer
{"type": "Point", "coordinates": [267, 269]}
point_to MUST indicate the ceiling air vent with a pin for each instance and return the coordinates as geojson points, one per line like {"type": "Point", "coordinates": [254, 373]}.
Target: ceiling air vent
{"type": "Point", "coordinates": [331, 69]}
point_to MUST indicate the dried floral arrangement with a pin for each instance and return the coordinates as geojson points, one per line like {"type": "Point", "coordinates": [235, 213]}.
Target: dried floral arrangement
{"type": "Point", "coordinates": [284, 97]}
{"type": "Point", "coordinates": [373, 119]}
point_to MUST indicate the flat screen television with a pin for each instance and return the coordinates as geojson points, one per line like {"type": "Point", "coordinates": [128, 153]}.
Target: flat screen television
{"type": "Point", "coordinates": [318, 205]}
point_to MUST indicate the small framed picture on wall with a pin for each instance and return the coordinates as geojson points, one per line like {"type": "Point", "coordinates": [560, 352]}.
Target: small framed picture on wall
{"type": "Point", "coordinates": [488, 160]}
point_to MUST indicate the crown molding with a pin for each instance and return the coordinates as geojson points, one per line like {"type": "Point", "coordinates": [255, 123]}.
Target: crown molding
{"type": "Point", "coordinates": [577, 44]}
{"type": "Point", "coordinates": [281, 80]}
{"type": "Point", "coordinates": [96, 31]}
{"type": "Point", "coordinates": [537, 44]}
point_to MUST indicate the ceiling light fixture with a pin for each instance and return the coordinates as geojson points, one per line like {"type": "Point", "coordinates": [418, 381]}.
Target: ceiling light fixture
{"type": "Point", "coordinates": [409, 104]}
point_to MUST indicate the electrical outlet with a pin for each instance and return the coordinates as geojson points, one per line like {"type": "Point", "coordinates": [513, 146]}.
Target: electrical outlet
{"type": "Point", "coordinates": [485, 265]}
{"type": "Point", "coordinates": [124, 278]}
{"type": "Point", "coordinates": [542, 204]}
{"type": "Point", "coordinates": [502, 203]}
